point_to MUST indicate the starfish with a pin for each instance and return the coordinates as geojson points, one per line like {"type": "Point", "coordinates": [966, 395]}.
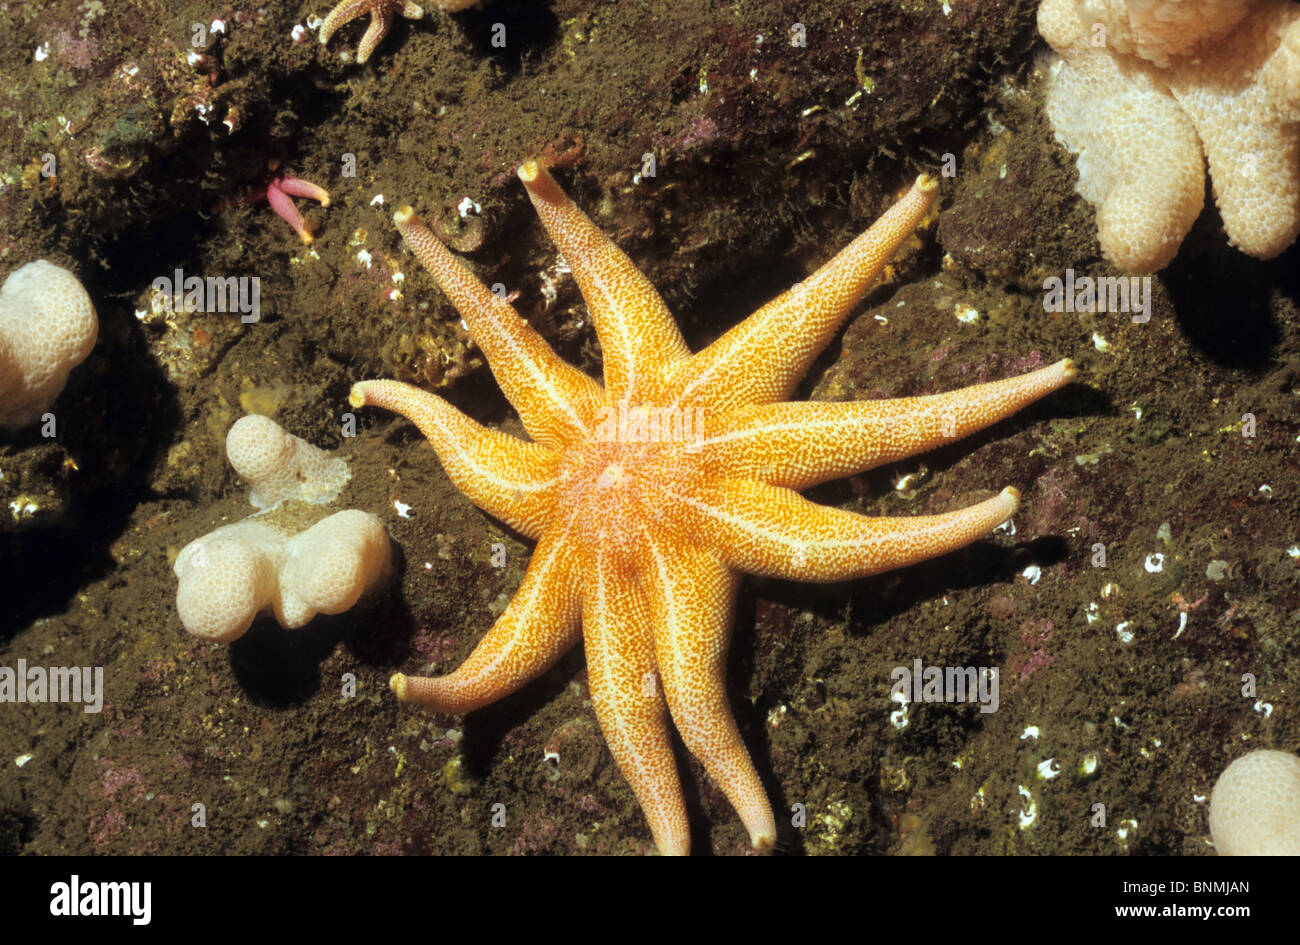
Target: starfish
{"type": "Point", "coordinates": [381, 13]}
{"type": "Point", "coordinates": [281, 190]}
{"type": "Point", "coordinates": [648, 495]}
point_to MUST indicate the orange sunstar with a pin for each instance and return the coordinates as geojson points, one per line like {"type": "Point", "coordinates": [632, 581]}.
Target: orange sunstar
{"type": "Point", "coordinates": [649, 495]}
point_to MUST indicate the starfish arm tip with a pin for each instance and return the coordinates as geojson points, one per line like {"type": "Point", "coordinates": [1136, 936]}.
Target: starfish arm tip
{"type": "Point", "coordinates": [417, 689]}
{"type": "Point", "coordinates": [529, 171]}
{"type": "Point", "coordinates": [1069, 370]}
{"type": "Point", "coordinates": [404, 214]}
{"type": "Point", "coordinates": [927, 183]}
{"type": "Point", "coordinates": [357, 395]}
{"type": "Point", "coordinates": [398, 683]}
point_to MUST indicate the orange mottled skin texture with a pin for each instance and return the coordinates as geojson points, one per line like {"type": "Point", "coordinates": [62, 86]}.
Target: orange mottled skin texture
{"type": "Point", "coordinates": [650, 494]}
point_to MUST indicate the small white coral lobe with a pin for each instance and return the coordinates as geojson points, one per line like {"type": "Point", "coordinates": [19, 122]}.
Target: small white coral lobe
{"type": "Point", "coordinates": [280, 466]}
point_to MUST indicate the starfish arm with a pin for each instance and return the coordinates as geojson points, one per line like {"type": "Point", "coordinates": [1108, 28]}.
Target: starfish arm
{"type": "Point", "coordinates": [514, 481]}
{"type": "Point", "coordinates": [691, 596]}
{"type": "Point", "coordinates": [540, 624]}
{"type": "Point", "coordinates": [381, 21]}
{"type": "Point", "coordinates": [298, 187]}
{"type": "Point", "coordinates": [636, 331]}
{"type": "Point", "coordinates": [762, 358]}
{"type": "Point", "coordinates": [775, 532]}
{"type": "Point", "coordinates": [799, 444]}
{"type": "Point", "coordinates": [345, 12]}
{"type": "Point", "coordinates": [283, 205]}
{"type": "Point", "coordinates": [556, 401]}
{"type": "Point", "coordinates": [626, 696]}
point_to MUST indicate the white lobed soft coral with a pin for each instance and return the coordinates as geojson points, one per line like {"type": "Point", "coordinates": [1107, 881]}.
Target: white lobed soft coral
{"type": "Point", "coordinates": [47, 327]}
{"type": "Point", "coordinates": [280, 466]}
{"type": "Point", "coordinates": [1255, 806]}
{"type": "Point", "coordinates": [271, 561]}
{"type": "Point", "coordinates": [1147, 198]}
{"type": "Point", "coordinates": [1160, 30]}
{"type": "Point", "coordinates": [229, 576]}
{"type": "Point", "coordinates": [1137, 74]}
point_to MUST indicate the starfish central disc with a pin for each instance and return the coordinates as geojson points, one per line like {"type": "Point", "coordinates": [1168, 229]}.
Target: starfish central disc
{"type": "Point", "coordinates": [611, 475]}
{"type": "Point", "coordinates": [650, 494]}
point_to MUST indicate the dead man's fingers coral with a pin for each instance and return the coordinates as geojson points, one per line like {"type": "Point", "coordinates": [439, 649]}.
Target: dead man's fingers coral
{"type": "Point", "coordinates": [328, 567]}
{"type": "Point", "coordinates": [1147, 92]}
{"type": "Point", "coordinates": [280, 466]}
{"type": "Point", "coordinates": [231, 575]}
{"type": "Point", "coordinates": [227, 578]}
{"type": "Point", "coordinates": [1255, 806]}
{"type": "Point", "coordinates": [47, 327]}
{"type": "Point", "coordinates": [286, 559]}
